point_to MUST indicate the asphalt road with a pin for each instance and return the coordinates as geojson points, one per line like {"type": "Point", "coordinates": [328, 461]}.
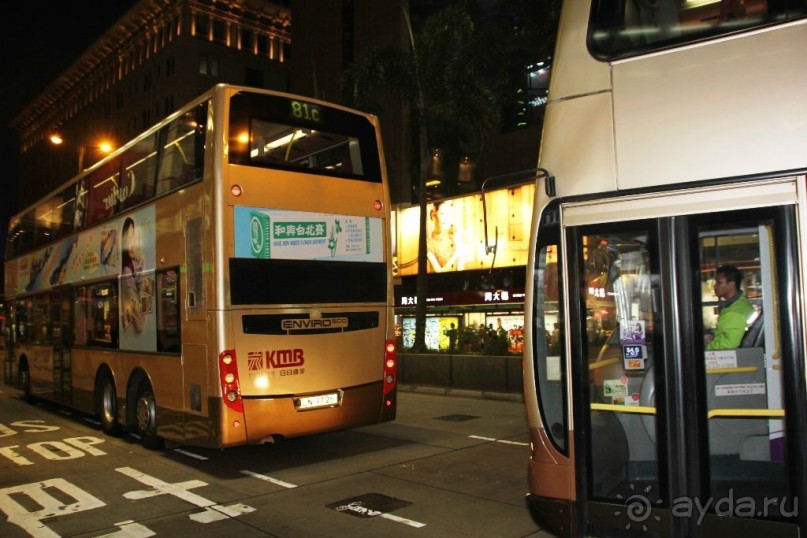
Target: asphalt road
{"type": "Point", "coordinates": [447, 466]}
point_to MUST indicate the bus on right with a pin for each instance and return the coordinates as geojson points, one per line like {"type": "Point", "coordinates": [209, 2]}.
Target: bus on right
{"type": "Point", "coordinates": [664, 356]}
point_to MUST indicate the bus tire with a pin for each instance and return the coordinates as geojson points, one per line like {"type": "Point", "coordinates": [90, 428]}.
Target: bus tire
{"type": "Point", "coordinates": [146, 413]}
{"type": "Point", "coordinates": [108, 405]}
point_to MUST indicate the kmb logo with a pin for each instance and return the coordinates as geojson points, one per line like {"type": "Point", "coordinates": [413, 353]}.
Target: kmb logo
{"type": "Point", "coordinates": [276, 358]}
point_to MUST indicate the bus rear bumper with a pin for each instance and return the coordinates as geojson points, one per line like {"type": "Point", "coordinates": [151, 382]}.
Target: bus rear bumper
{"type": "Point", "coordinates": [268, 419]}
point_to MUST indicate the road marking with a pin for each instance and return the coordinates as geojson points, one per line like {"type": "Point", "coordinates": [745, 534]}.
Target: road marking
{"type": "Point", "coordinates": [399, 519]}
{"type": "Point", "coordinates": [517, 443]}
{"type": "Point", "coordinates": [40, 494]}
{"type": "Point", "coordinates": [14, 456]}
{"type": "Point", "coordinates": [212, 510]}
{"type": "Point", "coordinates": [180, 489]}
{"type": "Point", "coordinates": [269, 479]}
{"type": "Point", "coordinates": [503, 441]}
{"type": "Point", "coordinates": [130, 529]}
{"type": "Point", "coordinates": [190, 454]}
{"type": "Point", "coordinates": [219, 512]}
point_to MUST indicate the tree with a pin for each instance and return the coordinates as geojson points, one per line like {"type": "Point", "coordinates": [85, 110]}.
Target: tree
{"type": "Point", "coordinates": [450, 106]}
{"type": "Point", "coordinates": [453, 88]}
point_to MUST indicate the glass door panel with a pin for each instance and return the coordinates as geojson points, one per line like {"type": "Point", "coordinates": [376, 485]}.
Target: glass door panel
{"type": "Point", "coordinates": [620, 332]}
{"type": "Point", "coordinates": [745, 408]}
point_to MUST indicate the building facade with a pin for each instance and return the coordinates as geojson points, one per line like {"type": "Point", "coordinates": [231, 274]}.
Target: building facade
{"type": "Point", "coordinates": [158, 56]}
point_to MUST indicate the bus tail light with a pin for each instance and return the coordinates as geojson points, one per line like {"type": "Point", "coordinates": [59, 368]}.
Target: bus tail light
{"type": "Point", "coordinates": [390, 370]}
{"type": "Point", "coordinates": [228, 374]}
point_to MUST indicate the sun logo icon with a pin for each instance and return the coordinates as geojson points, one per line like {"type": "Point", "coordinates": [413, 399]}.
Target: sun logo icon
{"type": "Point", "coordinates": [638, 507]}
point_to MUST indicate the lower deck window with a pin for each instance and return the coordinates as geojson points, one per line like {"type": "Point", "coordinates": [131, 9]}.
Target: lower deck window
{"type": "Point", "coordinates": [96, 315]}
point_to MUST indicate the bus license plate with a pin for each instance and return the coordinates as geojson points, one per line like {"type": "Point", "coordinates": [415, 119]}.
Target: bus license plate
{"type": "Point", "coordinates": [318, 400]}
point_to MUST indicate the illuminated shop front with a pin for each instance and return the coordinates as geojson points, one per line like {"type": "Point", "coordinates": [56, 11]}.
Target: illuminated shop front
{"type": "Point", "coordinates": [470, 286]}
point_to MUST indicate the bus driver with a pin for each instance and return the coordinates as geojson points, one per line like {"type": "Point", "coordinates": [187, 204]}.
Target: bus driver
{"type": "Point", "coordinates": [735, 310]}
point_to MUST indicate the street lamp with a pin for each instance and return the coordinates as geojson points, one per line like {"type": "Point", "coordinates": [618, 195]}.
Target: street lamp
{"type": "Point", "coordinates": [103, 146]}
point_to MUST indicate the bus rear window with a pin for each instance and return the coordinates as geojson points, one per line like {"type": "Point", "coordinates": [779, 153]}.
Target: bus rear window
{"type": "Point", "coordinates": [273, 131]}
{"type": "Point", "coordinates": [623, 28]}
{"type": "Point", "coordinates": [273, 144]}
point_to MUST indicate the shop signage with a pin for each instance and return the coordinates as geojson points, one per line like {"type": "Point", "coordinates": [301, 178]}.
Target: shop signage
{"type": "Point", "coordinates": [466, 298]}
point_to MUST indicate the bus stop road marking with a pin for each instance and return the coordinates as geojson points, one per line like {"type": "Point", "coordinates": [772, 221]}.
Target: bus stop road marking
{"type": "Point", "coordinates": [212, 510]}
{"type": "Point", "coordinates": [130, 529]}
{"type": "Point", "coordinates": [219, 512]}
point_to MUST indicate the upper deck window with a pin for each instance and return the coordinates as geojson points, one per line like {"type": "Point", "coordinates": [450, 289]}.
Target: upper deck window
{"type": "Point", "coordinates": [278, 132]}
{"type": "Point", "coordinates": [622, 28]}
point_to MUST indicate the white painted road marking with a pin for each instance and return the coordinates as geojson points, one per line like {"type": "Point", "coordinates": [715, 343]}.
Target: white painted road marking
{"type": "Point", "coordinates": [190, 454]}
{"type": "Point", "coordinates": [40, 494]}
{"type": "Point", "coordinates": [503, 441]}
{"type": "Point", "coordinates": [212, 512]}
{"type": "Point", "coordinates": [269, 479]}
{"type": "Point", "coordinates": [68, 449]}
{"type": "Point", "coordinates": [403, 520]}
{"type": "Point", "coordinates": [130, 529]}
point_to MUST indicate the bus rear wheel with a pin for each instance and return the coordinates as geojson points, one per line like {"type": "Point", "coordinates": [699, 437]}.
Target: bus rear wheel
{"type": "Point", "coordinates": [146, 413]}
{"type": "Point", "coordinates": [108, 406]}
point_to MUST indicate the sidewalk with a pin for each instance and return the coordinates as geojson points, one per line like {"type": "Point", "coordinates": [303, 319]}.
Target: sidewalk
{"type": "Point", "coordinates": [461, 393]}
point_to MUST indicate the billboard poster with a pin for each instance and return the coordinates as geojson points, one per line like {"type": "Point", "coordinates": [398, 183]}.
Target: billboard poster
{"type": "Point", "coordinates": [138, 320]}
{"type": "Point", "coordinates": [455, 229]}
{"type": "Point", "coordinates": [89, 255]}
{"type": "Point", "coordinates": [122, 247]}
{"type": "Point", "coordinates": [302, 235]}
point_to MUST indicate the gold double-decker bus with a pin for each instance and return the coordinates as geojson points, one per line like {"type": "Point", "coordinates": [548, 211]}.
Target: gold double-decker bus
{"type": "Point", "coordinates": [222, 279]}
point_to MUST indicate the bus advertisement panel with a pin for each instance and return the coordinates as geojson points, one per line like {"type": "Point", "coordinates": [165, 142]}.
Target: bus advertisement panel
{"type": "Point", "coordinates": [298, 235]}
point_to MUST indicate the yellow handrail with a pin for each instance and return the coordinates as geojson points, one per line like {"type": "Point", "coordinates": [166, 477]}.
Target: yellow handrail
{"type": "Point", "coordinates": [638, 409]}
{"type": "Point", "coordinates": [745, 413]}
{"type": "Point", "coordinates": [738, 370]}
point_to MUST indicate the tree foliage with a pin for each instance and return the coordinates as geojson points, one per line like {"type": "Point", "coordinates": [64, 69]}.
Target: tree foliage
{"type": "Point", "coordinates": [454, 80]}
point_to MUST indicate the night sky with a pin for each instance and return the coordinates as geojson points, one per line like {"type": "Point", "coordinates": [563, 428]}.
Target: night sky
{"type": "Point", "coordinates": [40, 40]}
